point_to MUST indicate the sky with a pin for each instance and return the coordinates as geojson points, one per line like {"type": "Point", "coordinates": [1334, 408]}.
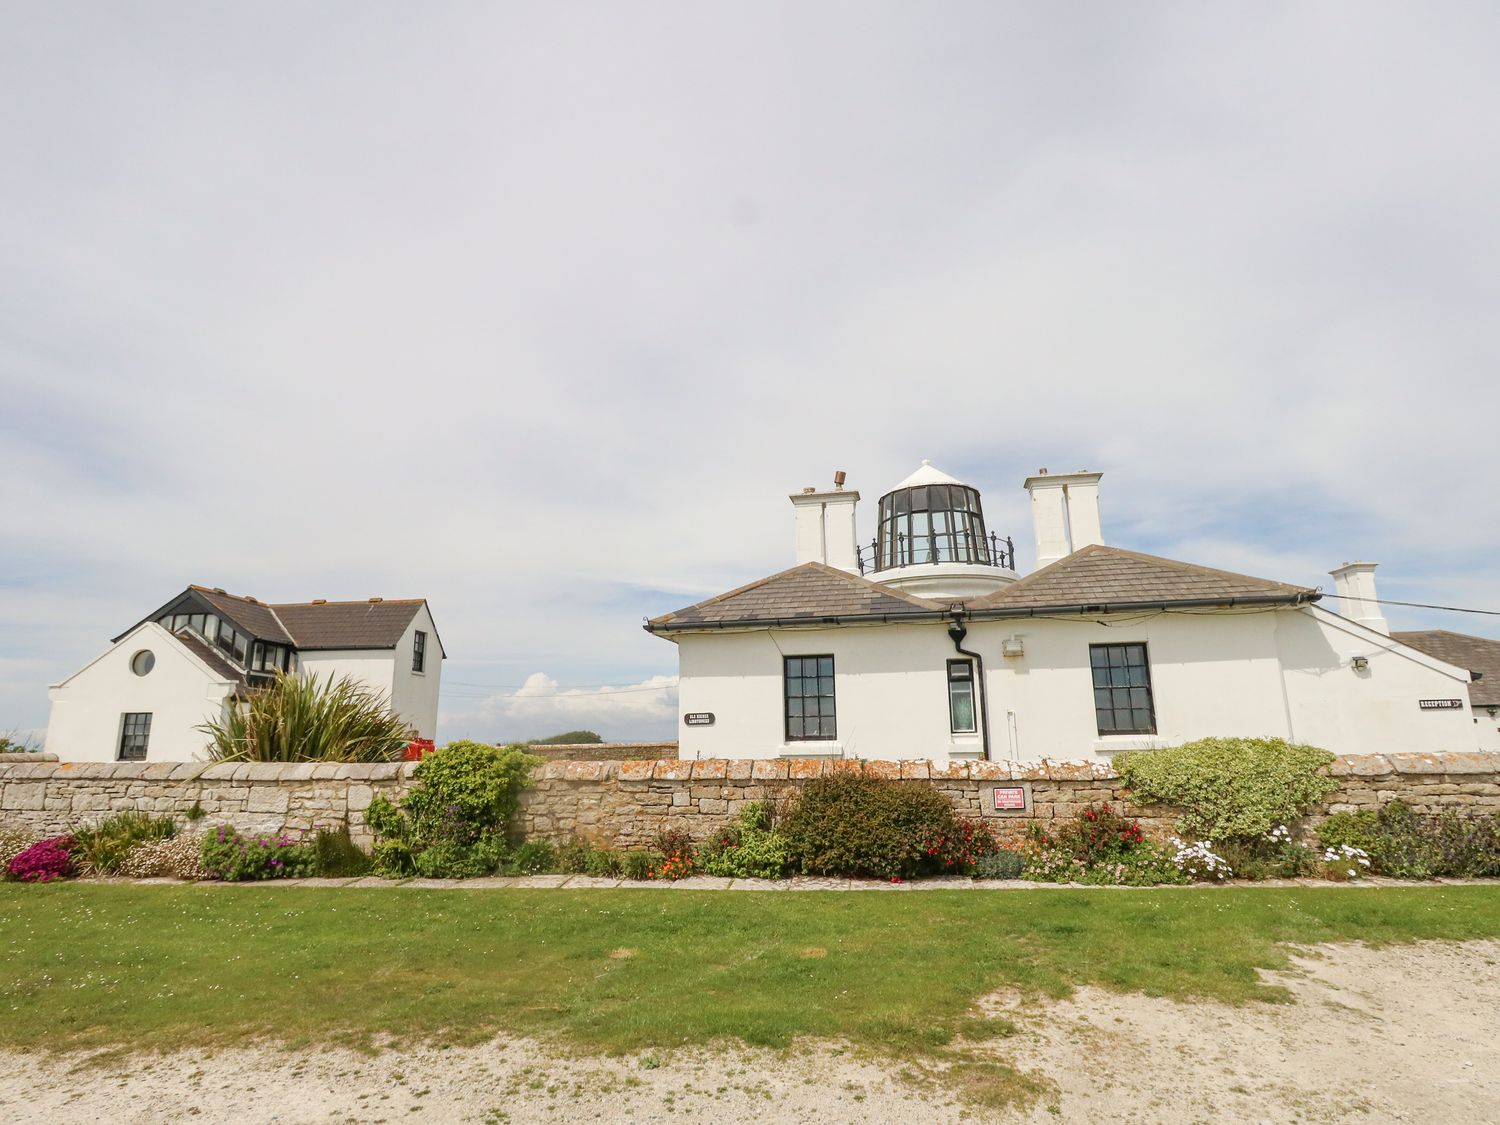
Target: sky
{"type": "Point", "coordinates": [540, 311]}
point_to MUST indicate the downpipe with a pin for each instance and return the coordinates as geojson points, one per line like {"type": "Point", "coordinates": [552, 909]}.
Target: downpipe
{"type": "Point", "coordinates": [958, 631]}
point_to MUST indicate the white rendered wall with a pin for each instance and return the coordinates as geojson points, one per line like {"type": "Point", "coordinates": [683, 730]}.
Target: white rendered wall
{"type": "Point", "coordinates": [1263, 674]}
{"type": "Point", "coordinates": [179, 692]}
{"type": "Point", "coordinates": [414, 695]}
{"type": "Point", "coordinates": [372, 668]}
{"type": "Point", "coordinates": [890, 690]}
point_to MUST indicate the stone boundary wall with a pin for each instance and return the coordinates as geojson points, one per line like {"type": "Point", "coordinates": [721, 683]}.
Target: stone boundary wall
{"type": "Point", "coordinates": [625, 804]}
{"type": "Point", "coordinates": [603, 751]}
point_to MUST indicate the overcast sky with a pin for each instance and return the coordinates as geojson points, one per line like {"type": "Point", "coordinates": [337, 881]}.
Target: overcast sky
{"type": "Point", "coordinates": [540, 311]}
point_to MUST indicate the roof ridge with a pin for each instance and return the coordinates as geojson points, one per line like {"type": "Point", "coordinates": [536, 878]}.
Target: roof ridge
{"type": "Point", "coordinates": [345, 601]}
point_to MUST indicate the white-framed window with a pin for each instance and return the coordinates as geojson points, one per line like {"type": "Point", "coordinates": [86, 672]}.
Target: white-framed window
{"type": "Point", "coordinates": [961, 696]}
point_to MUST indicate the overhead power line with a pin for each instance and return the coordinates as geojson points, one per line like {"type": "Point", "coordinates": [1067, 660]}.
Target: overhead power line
{"type": "Point", "coordinates": [1415, 605]}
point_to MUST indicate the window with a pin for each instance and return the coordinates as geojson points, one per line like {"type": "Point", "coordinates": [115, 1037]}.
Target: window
{"type": "Point", "coordinates": [809, 698]}
{"type": "Point", "coordinates": [961, 696]}
{"type": "Point", "coordinates": [142, 662]}
{"type": "Point", "coordinates": [135, 732]}
{"type": "Point", "coordinates": [1122, 689]}
{"type": "Point", "coordinates": [419, 652]}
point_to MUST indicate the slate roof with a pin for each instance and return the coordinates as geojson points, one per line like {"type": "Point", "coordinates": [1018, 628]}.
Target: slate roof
{"type": "Point", "coordinates": [308, 626]}
{"type": "Point", "coordinates": [806, 594]}
{"type": "Point", "coordinates": [347, 624]}
{"type": "Point", "coordinates": [210, 656]}
{"type": "Point", "coordinates": [1477, 654]}
{"type": "Point", "coordinates": [1102, 578]}
{"type": "Point", "coordinates": [254, 617]}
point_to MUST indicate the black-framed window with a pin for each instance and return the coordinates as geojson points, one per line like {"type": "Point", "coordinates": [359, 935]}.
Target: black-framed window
{"type": "Point", "coordinates": [961, 696]}
{"type": "Point", "coordinates": [809, 698]}
{"type": "Point", "coordinates": [135, 733]}
{"type": "Point", "coordinates": [1122, 689]}
{"type": "Point", "coordinates": [419, 652]}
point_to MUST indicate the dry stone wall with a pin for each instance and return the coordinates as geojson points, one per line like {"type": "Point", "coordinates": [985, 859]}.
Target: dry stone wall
{"type": "Point", "coordinates": [625, 804]}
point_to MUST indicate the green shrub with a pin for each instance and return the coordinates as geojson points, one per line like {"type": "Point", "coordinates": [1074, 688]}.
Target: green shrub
{"type": "Point", "coordinates": [336, 856]}
{"type": "Point", "coordinates": [855, 824]}
{"type": "Point", "coordinates": [573, 857]}
{"type": "Point", "coordinates": [638, 865]}
{"type": "Point", "coordinates": [1230, 788]}
{"type": "Point", "coordinates": [308, 719]}
{"type": "Point", "coordinates": [535, 857]}
{"type": "Point", "coordinates": [1406, 845]}
{"type": "Point", "coordinates": [102, 849]}
{"type": "Point", "coordinates": [603, 864]}
{"type": "Point", "coordinates": [450, 860]}
{"type": "Point", "coordinates": [464, 794]}
{"type": "Point", "coordinates": [1004, 863]}
{"type": "Point", "coordinates": [746, 849]}
{"type": "Point", "coordinates": [232, 857]}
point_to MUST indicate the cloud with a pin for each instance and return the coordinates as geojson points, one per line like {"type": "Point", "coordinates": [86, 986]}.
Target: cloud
{"type": "Point", "coordinates": [540, 313]}
{"type": "Point", "coordinates": [540, 708]}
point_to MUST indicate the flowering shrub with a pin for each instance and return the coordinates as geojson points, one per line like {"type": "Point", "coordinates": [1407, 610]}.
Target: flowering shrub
{"type": "Point", "coordinates": [13, 844]}
{"type": "Point", "coordinates": [959, 848]}
{"type": "Point", "coordinates": [177, 857]}
{"type": "Point", "coordinates": [638, 865]}
{"type": "Point", "coordinates": [1402, 843]}
{"type": "Point", "coordinates": [857, 824]}
{"type": "Point", "coordinates": [1230, 788]}
{"type": "Point", "coordinates": [227, 855]}
{"type": "Point", "coordinates": [1199, 862]}
{"type": "Point", "coordinates": [747, 849]}
{"type": "Point", "coordinates": [1101, 847]}
{"type": "Point", "coordinates": [1345, 862]}
{"type": "Point", "coordinates": [102, 848]}
{"type": "Point", "coordinates": [43, 861]}
{"type": "Point", "coordinates": [677, 858]}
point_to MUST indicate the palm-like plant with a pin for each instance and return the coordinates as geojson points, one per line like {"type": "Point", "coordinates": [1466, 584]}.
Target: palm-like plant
{"type": "Point", "coordinates": [303, 719]}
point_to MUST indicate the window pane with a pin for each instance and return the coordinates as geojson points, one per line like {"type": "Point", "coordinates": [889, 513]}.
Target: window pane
{"type": "Point", "coordinates": [825, 686]}
{"type": "Point", "coordinates": [825, 666]}
{"type": "Point", "coordinates": [1098, 658]}
{"type": "Point", "coordinates": [794, 708]}
{"type": "Point", "coordinates": [961, 706]}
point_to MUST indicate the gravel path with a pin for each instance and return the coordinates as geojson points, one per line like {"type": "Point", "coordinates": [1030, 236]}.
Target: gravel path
{"type": "Point", "coordinates": [1403, 1034]}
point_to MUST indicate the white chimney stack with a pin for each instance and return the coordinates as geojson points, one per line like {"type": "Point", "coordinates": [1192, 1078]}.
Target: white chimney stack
{"type": "Point", "coordinates": [1354, 583]}
{"type": "Point", "coordinates": [825, 527]}
{"type": "Point", "coordinates": [1064, 513]}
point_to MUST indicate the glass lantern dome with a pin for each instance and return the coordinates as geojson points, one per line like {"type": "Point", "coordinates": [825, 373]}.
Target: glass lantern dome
{"type": "Point", "coordinates": [931, 531]}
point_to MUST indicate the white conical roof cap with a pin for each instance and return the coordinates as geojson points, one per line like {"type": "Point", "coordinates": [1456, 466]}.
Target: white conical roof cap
{"type": "Point", "coordinates": [928, 475]}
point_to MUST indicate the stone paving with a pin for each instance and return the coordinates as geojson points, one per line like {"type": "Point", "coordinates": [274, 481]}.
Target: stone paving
{"type": "Point", "coordinates": [796, 883]}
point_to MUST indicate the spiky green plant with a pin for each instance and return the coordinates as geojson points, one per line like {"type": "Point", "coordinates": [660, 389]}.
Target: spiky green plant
{"type": "Point", "coordinates": [305, 719]}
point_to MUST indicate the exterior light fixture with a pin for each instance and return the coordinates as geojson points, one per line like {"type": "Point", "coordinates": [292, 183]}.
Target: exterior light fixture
{"type": "Point", "coordinates": [1360, 663]}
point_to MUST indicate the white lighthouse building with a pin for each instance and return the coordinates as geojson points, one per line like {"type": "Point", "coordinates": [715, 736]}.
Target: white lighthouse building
{"type": "Point", "coordinates": [927, 643]}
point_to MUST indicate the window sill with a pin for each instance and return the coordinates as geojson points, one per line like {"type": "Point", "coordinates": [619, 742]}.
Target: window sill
{"type": "Point", "coordinates": [812, 749]}
{"type": "Point", "coordinates": [1119, 743]}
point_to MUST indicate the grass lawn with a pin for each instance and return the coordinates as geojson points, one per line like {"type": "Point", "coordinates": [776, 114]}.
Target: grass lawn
{"type": "Point", "coordinates": [158, 967]}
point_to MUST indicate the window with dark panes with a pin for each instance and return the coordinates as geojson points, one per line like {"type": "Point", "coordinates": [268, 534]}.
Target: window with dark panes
{"type": "Point", "coordinates": [961, 696]}
{"type": "Point", "coordinates": [135, 732]}
{"type": "Point", "coordinates": [419, 652]}
{"type": "Point", "coordinates": [1122, 689]}
{"type": "Point", "coordinates": [809, 698]}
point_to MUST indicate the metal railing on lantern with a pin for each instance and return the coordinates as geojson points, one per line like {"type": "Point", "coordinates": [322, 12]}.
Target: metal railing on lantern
{"type": "Point", "coordinates": [916, 550]}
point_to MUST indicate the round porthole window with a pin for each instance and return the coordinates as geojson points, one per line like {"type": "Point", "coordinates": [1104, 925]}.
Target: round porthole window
{"type": "Point", "coordinates": [142, 662]}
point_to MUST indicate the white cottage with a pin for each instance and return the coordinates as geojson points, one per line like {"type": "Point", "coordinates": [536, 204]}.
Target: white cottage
{"type": "Point", "coordinates": [144, 698]}
{"type": "Point", "coordinates": [928, 644]}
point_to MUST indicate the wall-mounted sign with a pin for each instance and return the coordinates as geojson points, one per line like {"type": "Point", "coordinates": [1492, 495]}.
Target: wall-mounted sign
{"type": "Point", "coordinates": [1010, 798]}
{"type": "Point", "coordinates": [1441, 704]}
{"type": "Point", "coordinates": [699, 718]}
